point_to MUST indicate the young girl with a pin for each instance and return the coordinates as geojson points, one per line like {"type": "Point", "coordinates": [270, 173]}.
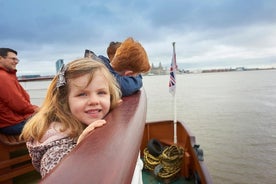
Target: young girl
{"type": "Point", "coordinates": [77, 100]}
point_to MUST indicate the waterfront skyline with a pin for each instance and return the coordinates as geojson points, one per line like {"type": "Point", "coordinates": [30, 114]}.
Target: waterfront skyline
{"type": "Point", "coordinates": [209, 34]}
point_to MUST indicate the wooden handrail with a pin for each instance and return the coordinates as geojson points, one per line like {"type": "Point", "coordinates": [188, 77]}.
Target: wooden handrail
{"type": "Point", "coordinates": [108, 154]}
{"type": "Point", "coordinates": [36, 79]}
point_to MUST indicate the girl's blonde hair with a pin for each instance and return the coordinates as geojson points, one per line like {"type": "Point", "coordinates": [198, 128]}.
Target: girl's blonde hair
{"type": "Point", "coordinates": [55, 107]}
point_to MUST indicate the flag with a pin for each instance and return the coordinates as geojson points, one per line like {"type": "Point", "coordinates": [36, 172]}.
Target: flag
{"type": "Point", "coordinates": [172, 82]}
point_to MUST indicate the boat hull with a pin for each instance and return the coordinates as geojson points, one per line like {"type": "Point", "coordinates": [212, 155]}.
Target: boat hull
{"type": "Point", "coordinates": [163, 131]}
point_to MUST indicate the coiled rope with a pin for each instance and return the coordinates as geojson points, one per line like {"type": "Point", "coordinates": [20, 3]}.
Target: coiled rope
{"type": "Point", "coordinates": [168, 164]}
{"type": "Point", "coordinates": [150, 161]}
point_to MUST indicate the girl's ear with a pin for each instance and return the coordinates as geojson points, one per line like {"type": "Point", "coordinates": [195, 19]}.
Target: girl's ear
{"type": "Point", "coordinates": [129, 73]}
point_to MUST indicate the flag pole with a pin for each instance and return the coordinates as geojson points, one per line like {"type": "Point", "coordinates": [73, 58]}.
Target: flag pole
{"type": "Point", "coordinates": [174, 97]}
{"type": "Point", "coordinates": [175, 123]}
{"type": "Point", "coordinates": [172, 90]}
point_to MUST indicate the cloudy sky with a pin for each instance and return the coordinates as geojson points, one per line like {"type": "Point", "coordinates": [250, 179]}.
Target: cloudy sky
{"type": "Point", "coordinates": [208, 33]}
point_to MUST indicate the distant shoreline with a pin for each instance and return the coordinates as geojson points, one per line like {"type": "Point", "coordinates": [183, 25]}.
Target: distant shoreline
{"type": "Point", "coordinates": [236, 69]}
{"type": "Point", "coordinates": [161, 71]}
{"type": "Point", "coordinates": [38, 77]}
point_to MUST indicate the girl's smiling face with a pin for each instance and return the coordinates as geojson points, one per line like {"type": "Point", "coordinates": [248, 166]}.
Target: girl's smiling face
{"type": "Point", "coordinates": [89, 102]}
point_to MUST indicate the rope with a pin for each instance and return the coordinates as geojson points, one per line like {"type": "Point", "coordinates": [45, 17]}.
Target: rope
{"type": "Point", "coordinates": [166, 165]}
{"type": "Point", "coordinates": [150, 161]}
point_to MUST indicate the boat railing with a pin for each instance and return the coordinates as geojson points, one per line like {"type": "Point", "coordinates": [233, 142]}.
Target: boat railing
{"type": "Point", "coordinates": [35, 79]}
{"type": "Point", "coordinates": [36, 87]}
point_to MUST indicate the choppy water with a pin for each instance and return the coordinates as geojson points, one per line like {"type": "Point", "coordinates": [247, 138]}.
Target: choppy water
{"type": "Point", "coordinates": [232, 114]}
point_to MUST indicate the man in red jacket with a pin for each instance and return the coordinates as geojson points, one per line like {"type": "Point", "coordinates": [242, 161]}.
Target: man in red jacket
{"type": "Point", "coordinates": [15, 105]}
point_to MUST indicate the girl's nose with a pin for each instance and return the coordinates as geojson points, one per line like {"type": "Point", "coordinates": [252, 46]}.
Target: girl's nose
{"type": "Point", "coordinates": [93, 100]}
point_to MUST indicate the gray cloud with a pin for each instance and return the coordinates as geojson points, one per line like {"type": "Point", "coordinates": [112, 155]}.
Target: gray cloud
{"type": "Point", "coordinates": [210, 33]}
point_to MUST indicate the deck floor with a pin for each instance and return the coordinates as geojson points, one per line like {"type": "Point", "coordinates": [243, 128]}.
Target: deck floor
{"type": "Point", "coordinates": [148, 178]}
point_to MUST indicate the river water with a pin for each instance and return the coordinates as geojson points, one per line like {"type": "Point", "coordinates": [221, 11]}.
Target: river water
{"type": "Point", "coordinates": [232, 115]}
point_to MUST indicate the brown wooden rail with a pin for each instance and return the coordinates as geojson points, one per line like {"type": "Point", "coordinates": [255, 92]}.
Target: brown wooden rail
{"type": "Point", "coordinates": [108, 154]}
{"type": "Point", "coordinates": [35, 79]}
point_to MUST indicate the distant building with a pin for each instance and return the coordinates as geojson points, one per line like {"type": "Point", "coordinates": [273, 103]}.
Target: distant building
{"type": "Point", "coordinates": [240, 69]}
{"type": "Point", "coordinates": [158, 70]}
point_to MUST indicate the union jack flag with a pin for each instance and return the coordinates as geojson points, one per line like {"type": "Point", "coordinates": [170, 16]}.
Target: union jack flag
{"type": "Point", "coordinates": [172, 82]}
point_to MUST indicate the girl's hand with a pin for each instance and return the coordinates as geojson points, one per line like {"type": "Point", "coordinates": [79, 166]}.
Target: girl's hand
{"type": "Point", "coordinates": [89, 129]}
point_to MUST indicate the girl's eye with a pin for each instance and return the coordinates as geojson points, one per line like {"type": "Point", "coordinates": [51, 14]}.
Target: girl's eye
{"type": "Point", "coordinates": [81, 94]}
{"type": "Point", "coordinates": [102, 92]}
